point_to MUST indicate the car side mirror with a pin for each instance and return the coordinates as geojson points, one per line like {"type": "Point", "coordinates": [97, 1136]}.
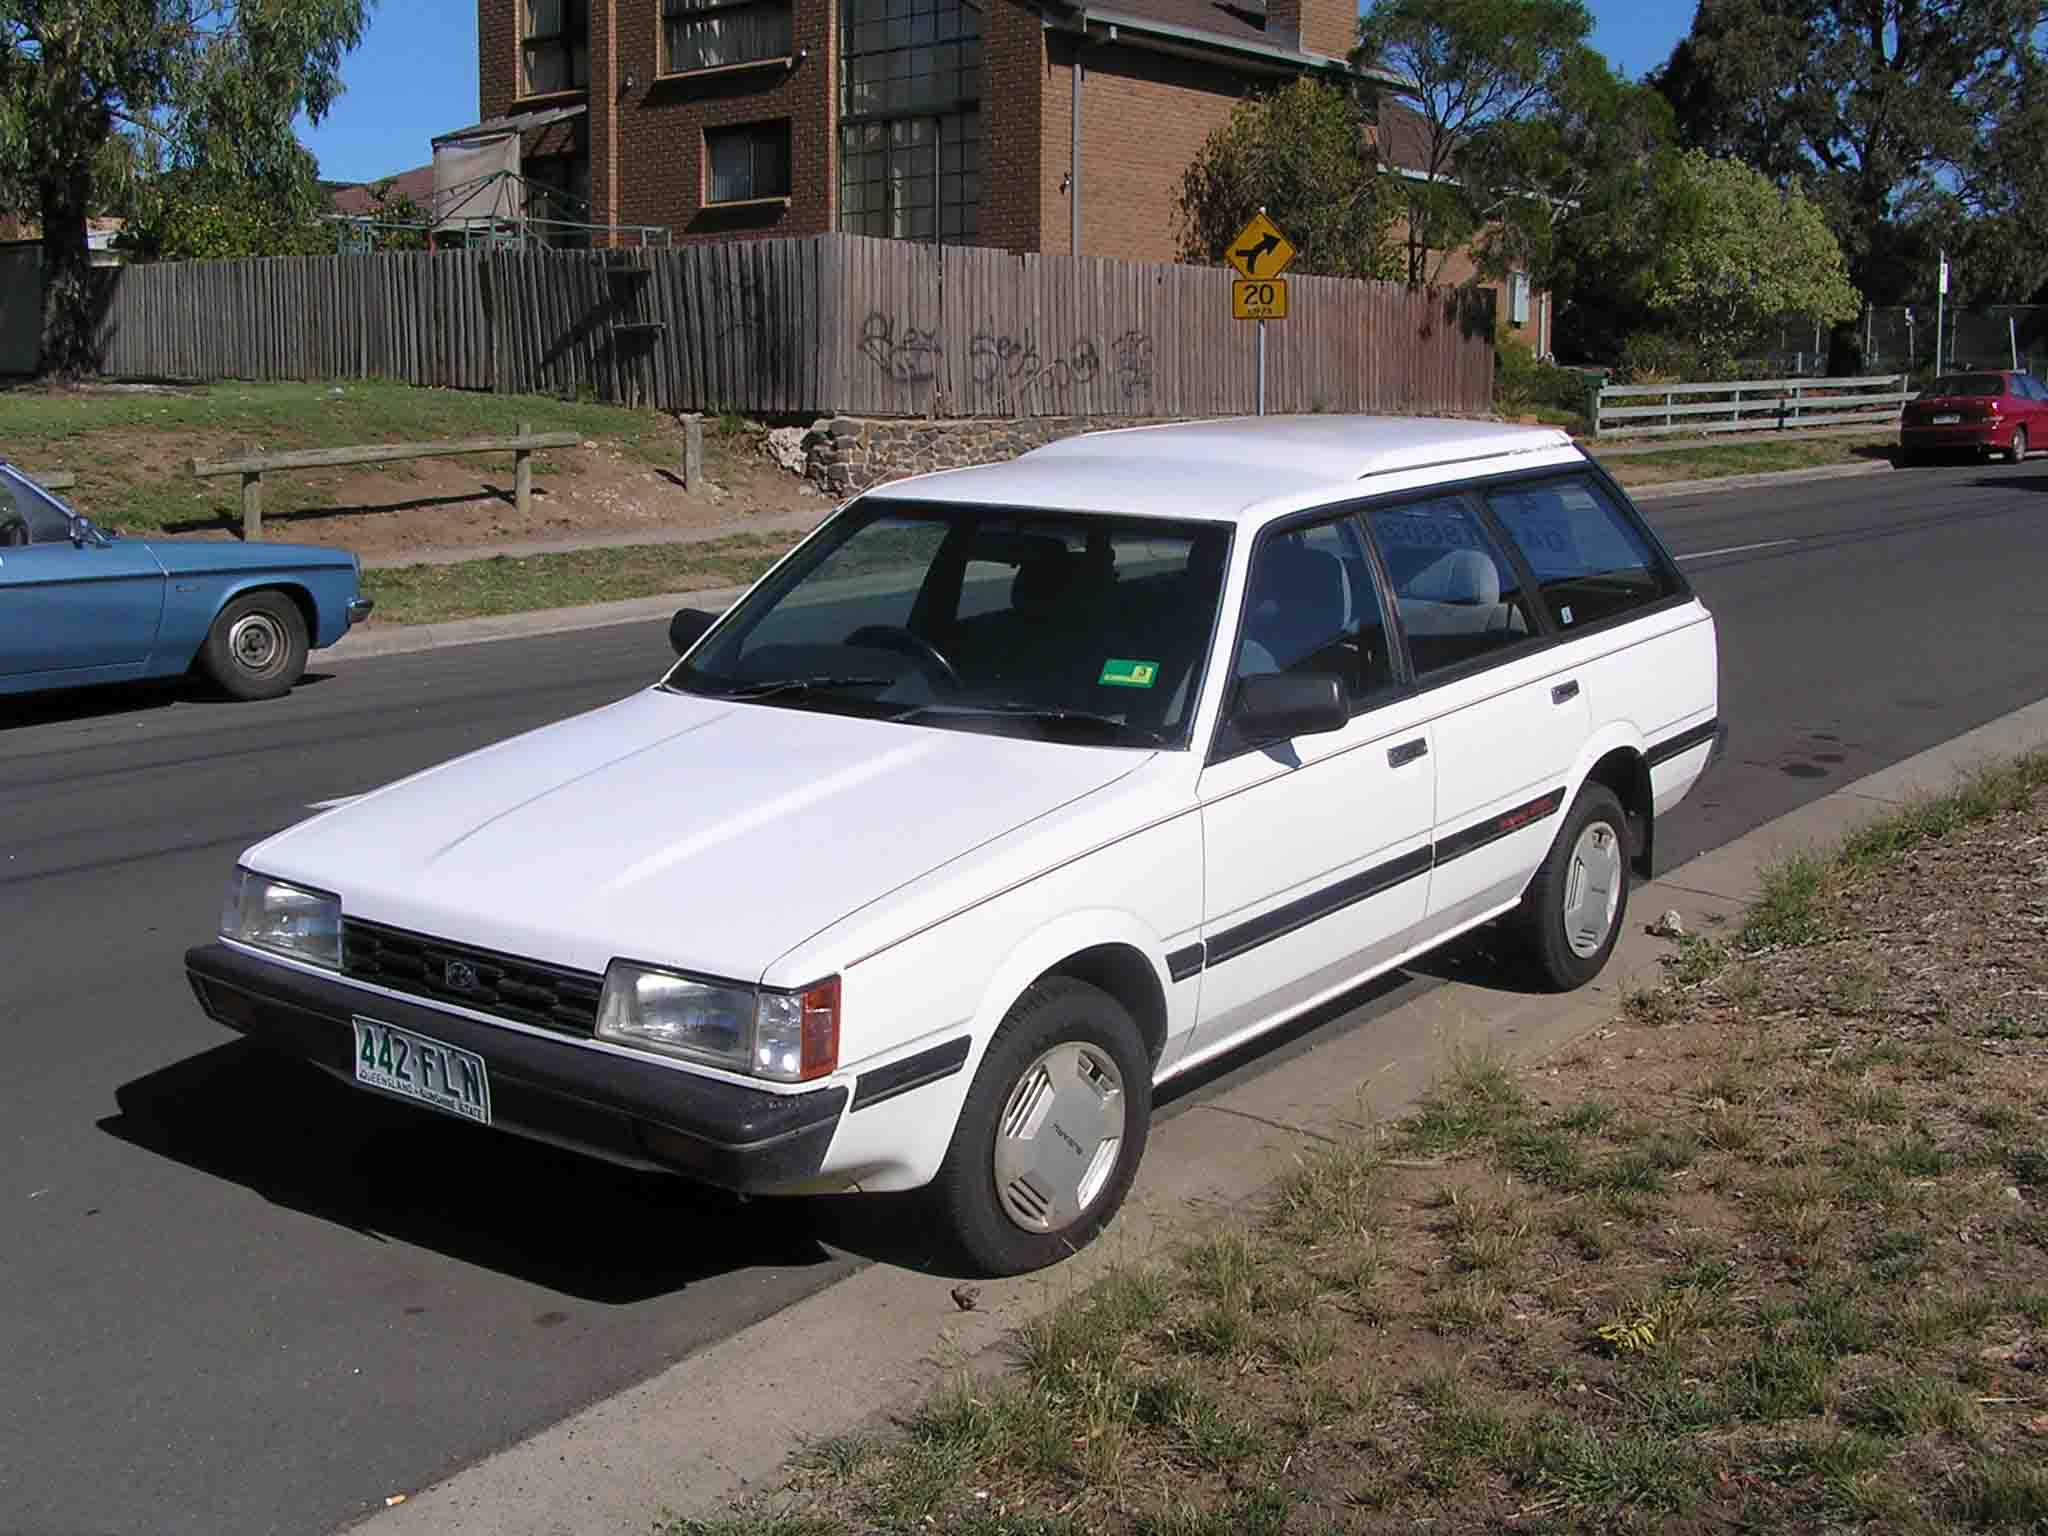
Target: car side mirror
{"type": "Point", "coordinates": [1278, 706]}
{"type": "Point", "coordinates": [688, 627]}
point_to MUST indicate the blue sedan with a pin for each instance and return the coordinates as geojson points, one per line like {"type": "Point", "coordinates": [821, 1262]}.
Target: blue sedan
{"type": "Point", "coordinates": [80, 604]}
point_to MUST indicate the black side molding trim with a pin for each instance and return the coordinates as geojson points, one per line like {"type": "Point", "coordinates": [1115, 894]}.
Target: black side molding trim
{"type": "Point", "coordinates": [1496, 827]}
{"type": "Point", "coordinates": [941, 1061]}
{"type": "Point", "coordinates": [1183, 963]}
{"type": "Point", "coordinates": [1304, 910]}
{"type": "Point", "coordinates": [1684, 741]}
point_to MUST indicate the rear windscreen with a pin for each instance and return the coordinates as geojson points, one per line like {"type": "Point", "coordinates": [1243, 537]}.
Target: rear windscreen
{"type": "Point", "coordinates": [1989, 384]}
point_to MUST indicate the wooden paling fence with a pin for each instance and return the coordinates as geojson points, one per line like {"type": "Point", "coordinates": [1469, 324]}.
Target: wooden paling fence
{"type": "Point", "coordinates": [830, 324]}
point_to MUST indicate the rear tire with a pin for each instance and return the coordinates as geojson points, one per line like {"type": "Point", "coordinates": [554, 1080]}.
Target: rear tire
{"type": "Point", "coordinates": [1020, 1189]}
{"type": "Point", "coordinates": [2017, 453]}
{"type": "Point", "coordinates": [1572, 913]}
{"type": "Point", "coordinates": [257, 647]}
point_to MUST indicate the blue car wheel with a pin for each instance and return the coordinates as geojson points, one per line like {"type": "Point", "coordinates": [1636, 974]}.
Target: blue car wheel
{"type": "Point", "coordinates": [257, 646]}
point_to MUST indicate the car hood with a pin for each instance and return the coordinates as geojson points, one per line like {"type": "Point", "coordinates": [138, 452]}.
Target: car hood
{"type": "Point", "coordinates": [206, 557]}
{"type": "Point", "coordinates": [699, 833]}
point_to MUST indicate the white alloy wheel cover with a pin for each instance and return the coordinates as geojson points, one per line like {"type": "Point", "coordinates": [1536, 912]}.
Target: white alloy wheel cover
{"type": "Point", "coordinates": [1058, 1137]}
{"type": "Point", "coordinates": [1592, 889]}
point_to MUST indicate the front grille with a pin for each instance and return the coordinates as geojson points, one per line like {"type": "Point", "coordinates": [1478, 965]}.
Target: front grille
{"type": "Point", "coordinates": [529, 991]}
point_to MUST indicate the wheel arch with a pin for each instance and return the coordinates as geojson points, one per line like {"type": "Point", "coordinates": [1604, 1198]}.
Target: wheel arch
{"type": "Point", "coordinates": [1107, 949]}
{"type": "Point", "coordinates": [1615, 758]}
{"type": "Point", "coordinates": [302, 599]}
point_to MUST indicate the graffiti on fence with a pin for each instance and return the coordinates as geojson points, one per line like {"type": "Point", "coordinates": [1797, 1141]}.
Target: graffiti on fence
{"type": "Point", "coordinates": [1010, 365]}
{"type": "Point", "coordinates": [1132, 354]}
{"type": "Point", "coordinates": [909, 358]}
{"type": "Point", "coordinates": [1004, 370]}
{"type": "Point", "coordinates": [754, 323]}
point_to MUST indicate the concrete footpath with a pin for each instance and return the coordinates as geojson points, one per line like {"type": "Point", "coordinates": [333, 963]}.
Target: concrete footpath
{"type": "Point", "coordinates": [399, 640]}
{"type": "Point", "coordinates": [722, 1422]}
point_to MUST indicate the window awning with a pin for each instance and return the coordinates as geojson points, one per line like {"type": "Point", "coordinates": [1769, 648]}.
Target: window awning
{"type": "Point", "coordinates": [516, 122]}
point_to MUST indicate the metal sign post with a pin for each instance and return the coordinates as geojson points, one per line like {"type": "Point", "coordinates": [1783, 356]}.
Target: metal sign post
{"type": "Point", "coordinates": [1940, 309]}
{"type": "Point", "coordinates": [1260, 253]}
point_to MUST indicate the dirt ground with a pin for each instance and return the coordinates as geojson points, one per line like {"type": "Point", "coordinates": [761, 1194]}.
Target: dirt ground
{"type": "Point", "coordinates": [433, 504]}
{"type": "Point", "coordinates": [1767, 1254]}
{"type": "Point", "coordinates": [131, 449]}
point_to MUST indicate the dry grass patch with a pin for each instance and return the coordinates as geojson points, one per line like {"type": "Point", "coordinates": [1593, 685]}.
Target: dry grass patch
{"type": "Point", "coordinates": [1779, 1264]}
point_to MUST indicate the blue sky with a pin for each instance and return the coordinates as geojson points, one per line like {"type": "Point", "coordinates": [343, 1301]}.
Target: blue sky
{"type": "Point", "coordinates": [415, 76]}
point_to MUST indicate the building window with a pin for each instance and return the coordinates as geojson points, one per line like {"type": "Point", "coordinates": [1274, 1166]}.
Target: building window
{"type": "Point", "coordinates": [911, 178]}
{"type": "Point", "coordinates": [1518, 298]}
{"type": "Point", "coordinates": [909, 100]}
{"type": "Point", "coordinates": [558, 200]}
{"type": "Point", "coordinates": [710, 34]}
{"type": "Point", "coordinates": [555, 55]}
{"type": "Point", "coordinates": [744, 164]}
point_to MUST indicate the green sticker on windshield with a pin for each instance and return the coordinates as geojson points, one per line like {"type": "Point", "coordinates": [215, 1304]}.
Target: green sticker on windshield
{"type": "Point", "coordinates": [1118, 673]}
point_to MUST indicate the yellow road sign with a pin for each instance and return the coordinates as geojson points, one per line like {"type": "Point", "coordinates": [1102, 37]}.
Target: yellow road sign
{"type": "Point", "coordinates": [1260, 250]}
{"type": "Point", "coordinates": [1258, 299]}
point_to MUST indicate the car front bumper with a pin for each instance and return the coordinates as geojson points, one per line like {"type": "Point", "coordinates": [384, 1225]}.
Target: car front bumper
{"type": "Point", "coordinates": [359, 608]}
{"type": "Point", "coordinates": [617, 1107]}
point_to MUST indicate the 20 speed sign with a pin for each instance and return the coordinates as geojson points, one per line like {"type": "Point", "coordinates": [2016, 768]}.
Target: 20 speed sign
{"type": "Point", "coordinates": [1258, 298]}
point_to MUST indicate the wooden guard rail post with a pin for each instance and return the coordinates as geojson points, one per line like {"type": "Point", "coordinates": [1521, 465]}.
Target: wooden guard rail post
{"type": "Point", "coordinates": [255, 464]}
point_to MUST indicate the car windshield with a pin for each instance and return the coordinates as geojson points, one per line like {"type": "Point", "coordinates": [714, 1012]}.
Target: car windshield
{"type": "Point", "coordinates": [1072, 627]}
{"type": "Point", "coordinates": [1972, 384]}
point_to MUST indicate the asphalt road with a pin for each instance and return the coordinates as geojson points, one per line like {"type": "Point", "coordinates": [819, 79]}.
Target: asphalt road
{"type": "Point", "coordinates": [241, 1299]}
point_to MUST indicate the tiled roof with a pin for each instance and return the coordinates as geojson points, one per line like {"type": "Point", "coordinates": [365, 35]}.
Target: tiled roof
{"type": "Point", "coordinates": [417, 184]}
{"type": "Point", "coordinates": [1403, 136]}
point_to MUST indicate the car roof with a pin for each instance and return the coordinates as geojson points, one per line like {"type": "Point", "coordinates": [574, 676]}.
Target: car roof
{"type": "Point", "coordinates": [1225, 468]}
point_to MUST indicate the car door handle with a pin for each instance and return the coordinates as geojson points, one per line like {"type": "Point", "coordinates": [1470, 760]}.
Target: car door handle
{"type": "Point", "coordinates": [1407, 752]}
{"type": "Point", "coordinates": [1564, 693]}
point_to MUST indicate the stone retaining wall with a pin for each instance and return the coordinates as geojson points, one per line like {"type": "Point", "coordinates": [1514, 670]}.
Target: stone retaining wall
{"type": "Point", "coordinates": [845, 454]}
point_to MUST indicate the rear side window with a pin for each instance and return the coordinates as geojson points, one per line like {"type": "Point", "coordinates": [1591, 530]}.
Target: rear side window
{"type": "Point", "coordinates": [1591, 560]}
{"type": "Point", "coordinates": [1458, 596]}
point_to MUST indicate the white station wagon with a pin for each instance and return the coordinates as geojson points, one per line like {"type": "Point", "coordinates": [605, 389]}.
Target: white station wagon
{"type": "Point", "coordinates": [1007, 795]}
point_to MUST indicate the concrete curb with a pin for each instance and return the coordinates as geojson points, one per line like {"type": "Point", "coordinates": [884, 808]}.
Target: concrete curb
{"type": "Point", "coordinates": [400, 640]}
{"type": "Point", "coordinates": [723, 1420]}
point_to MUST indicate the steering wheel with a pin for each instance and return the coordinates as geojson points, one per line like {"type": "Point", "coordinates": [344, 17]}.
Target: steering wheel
{"type": "Point", "coordinates": [894, 637]}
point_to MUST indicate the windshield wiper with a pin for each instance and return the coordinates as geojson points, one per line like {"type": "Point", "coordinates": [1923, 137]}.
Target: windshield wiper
{"type": "Point", "coordinates": [775, 685]}
{"type": "Point", "coordinates": [1054, 716]}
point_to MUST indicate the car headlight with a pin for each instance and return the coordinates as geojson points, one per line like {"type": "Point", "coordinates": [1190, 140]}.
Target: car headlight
{"type": "Point", "coordinates": [283, 918]}
{"type": "Point", "coordinates": [787, 1037]}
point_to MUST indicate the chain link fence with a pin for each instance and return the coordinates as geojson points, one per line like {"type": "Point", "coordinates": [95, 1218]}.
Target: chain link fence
{"type": "Point", "coordinates": [1901, 337]}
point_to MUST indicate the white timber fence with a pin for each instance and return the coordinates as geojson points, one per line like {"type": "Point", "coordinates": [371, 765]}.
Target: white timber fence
{"type": "Point", "coordinates": [1747, 405]}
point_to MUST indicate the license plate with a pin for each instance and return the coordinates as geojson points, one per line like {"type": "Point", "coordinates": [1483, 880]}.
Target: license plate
{"type": "Point", "coordinates": [1945, 421]}
{"type": "Point", "coordinates": [429, 1072]}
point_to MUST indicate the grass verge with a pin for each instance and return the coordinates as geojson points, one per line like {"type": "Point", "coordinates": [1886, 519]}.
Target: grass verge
{"type": "Point", "coordinates": [470, 589]}
{"type": "Point", "coordinates": [1712, 461]}
{"type": "Point", "coordinates": [1770, 1257]}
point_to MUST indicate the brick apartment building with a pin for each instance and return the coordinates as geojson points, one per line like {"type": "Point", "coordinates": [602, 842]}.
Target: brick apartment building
{"type": "Point", "coordinates": [918, 119]}
{"type": "Point", "coordinates": [1028, 125]}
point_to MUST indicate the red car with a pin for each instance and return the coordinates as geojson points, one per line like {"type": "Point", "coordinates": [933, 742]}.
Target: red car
{"type": "Point", "coordinates": [2003, 412]}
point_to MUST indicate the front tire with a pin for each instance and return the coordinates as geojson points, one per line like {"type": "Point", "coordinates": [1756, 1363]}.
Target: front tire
{"type": "Point", "coordinates": [1051, 1133]}
{"type": "Point", "coordinates": [1571, 915]}
{"type": "Point", "coordinates": [257, 647]}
